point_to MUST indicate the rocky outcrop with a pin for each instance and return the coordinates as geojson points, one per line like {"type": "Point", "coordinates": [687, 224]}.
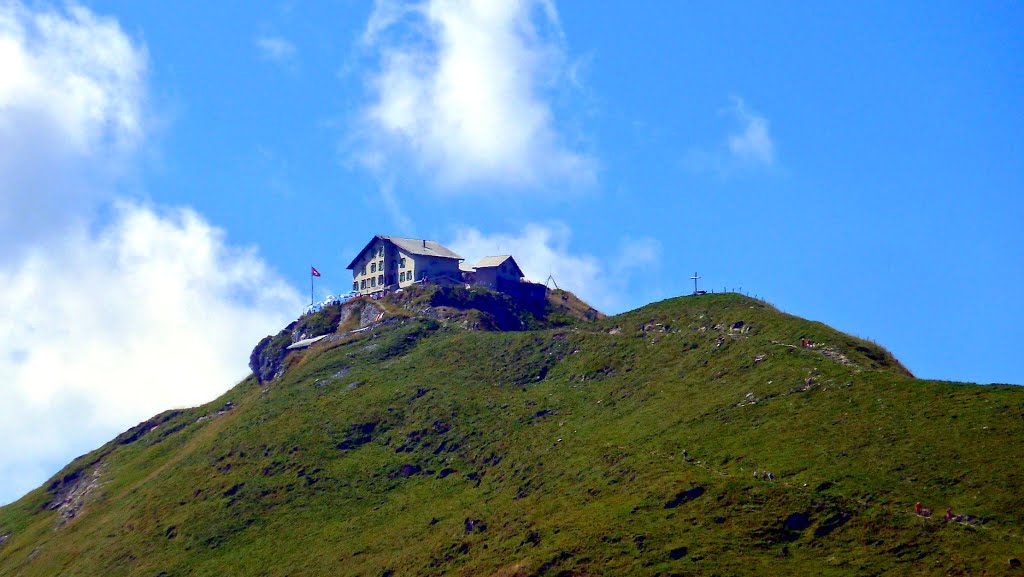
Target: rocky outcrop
{"type": "Point", "coordinates": [371, 314]}
{"type": "Point", "coordinates": [138, 431]}
{"type": "Point", "coordinates": [70, 488]}
{"type": "Point", "coordinates": [267, 359]}
{"type": "Point", "coordinates": [470, 308]}
{"type": "Point", "coordinates": [72, 496]}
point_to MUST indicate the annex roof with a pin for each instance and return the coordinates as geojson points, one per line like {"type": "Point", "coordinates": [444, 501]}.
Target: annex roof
{"type": "Point", "coordinates": [496, 261]}
{"type": "Point", "coordinates": [414, 246]}
{"type": "Point", "coordinates": [489, 261]}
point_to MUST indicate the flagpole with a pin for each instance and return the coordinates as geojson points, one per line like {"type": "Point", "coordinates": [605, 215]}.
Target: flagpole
{"type": "Point", "coordinates": [311, 285]}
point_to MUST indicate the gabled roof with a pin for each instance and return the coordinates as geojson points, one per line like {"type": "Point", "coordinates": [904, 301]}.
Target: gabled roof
{"type": "Point", "coordinates": [414, 246]}
{"type": "Point", "coordinates": [496, 261]}
{"type": "Point", "coordinates": [489, 261]}
{"type": "Point", "coordinates": [422, 247]}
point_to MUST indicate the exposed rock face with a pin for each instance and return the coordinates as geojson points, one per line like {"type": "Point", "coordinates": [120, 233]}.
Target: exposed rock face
{"type": "Point", "coordinates": [371, 314]}
{"type": "Point", "coordinates": [71, 488]}
{"type": "Point", "coordinates": [473, 309]}
{"type": "Point", "coordinates": [73, 496]}
{"type": "Point", "coordinates": [497, 311]}
{"type": "Point", "coordinates": [348, 310]}
{"type": "Point", "coordinates": [218, 413]}
{"type": "Point", "coordinates": [267, 358]}
{"type": "Point", "coordinates": [266, 361]}
{"type": "Point", "coordinates": [138, 431]}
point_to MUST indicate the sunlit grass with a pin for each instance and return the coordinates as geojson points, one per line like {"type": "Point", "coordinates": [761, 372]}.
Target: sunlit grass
{"type": "Point", "coordinates": [557, 452]}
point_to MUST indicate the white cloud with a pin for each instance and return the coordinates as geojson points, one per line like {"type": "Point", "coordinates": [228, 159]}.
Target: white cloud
{"type": "Point", "coordinates": [276, 49]}
{"type": "Point", "coordinates": [637, 253]}
{"type": "Point", "coordinates": [394, 207]}
{"type": "Point", "coordinates": [102, 330]}
{"type": "Point", "coordinates": [544, 249]}
{"type": "Point", "coordinates": [461, 91]}
{"type": "Point", "coordinates": [72, 96]}
{"type": "Point", "coordinates": [752, 144]}
{"type": "Point", "coordinates": [747, 147]}
{"type": "Point", "coordinates": [103, 322]}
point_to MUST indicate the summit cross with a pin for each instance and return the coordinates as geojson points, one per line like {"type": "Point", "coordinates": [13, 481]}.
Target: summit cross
{"type": "Point", "coordinates": [695, 277]}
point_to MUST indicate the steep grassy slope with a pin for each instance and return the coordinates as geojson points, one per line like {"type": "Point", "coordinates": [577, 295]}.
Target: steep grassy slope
{"type": "Point", "coordinates": [417, 448]}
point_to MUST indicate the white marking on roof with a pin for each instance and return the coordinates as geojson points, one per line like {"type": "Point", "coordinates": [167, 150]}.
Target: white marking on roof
{"type": "Point", "coordinates": [305, 343]}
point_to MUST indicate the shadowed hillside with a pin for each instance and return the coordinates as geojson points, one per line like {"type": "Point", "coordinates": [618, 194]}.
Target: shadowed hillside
{"type": "Point", "coordinates": [458, 432]}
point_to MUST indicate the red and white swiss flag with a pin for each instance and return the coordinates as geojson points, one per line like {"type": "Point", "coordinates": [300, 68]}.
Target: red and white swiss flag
{"type": "Point", "coordinates": [314, 272]}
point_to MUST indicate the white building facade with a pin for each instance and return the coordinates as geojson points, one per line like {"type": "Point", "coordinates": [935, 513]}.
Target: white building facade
{"type": "Point", "coordinates": [390, 262]}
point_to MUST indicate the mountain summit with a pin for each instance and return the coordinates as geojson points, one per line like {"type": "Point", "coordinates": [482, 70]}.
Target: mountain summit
{"type": "Point", "coordinates": [442, 431]}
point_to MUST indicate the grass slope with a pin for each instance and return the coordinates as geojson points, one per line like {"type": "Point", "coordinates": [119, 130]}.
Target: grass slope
{"type": "Point", "coordinates": [422, 449]}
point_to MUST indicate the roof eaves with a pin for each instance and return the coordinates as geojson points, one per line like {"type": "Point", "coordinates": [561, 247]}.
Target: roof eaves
{"type": "Point", "coordinates": [360, 253]}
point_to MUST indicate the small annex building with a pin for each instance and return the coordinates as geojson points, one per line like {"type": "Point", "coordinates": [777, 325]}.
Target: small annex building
{"type": "Point", "coordinates": [495, 272]}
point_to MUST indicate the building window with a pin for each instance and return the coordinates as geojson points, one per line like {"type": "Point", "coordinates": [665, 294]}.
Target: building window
{"type": "Point", "coordinates": [380, 252]}
{"type": "Point", "coordinates": [373, 267]}
{"type": "Point", "coordinates": [380, 265]}
{"type": "Point", "coordinates": [401, 276]}
{"type": "Point", "coordinates": [401, 263]}
{"type": "Point", "coordinates": [380, 280]}
{"type": "Point", "coordinates": [373, 282]}
{"type": "Point", "coordinates": [362, 284]}
{"type": "Point", "coordinates": [355, 286]}
{"type": "Point", "coordinates": [364, 268]}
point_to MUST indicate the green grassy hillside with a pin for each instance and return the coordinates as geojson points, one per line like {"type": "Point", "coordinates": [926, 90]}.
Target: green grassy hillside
{"type": "Point", "coordinates": [624, 445]}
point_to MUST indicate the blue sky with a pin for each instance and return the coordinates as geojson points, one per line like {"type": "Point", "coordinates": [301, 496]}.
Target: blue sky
{"type": "Point", "coordinates": [173, 170]}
